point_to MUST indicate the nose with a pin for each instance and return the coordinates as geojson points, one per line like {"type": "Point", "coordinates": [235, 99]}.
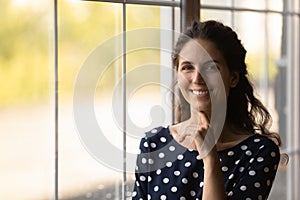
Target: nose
{"type": "Point", "coordinates": [197, 78]}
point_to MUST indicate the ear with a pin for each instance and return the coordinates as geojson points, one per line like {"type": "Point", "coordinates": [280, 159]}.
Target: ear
{"type": "Point", "coordinates": [234, 79]}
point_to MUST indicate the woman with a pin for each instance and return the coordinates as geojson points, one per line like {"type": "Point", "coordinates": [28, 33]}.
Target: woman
{"type": "Point", "coordinates": [192, 159]}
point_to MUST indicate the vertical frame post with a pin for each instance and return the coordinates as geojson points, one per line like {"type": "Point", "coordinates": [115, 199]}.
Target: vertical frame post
{"type": "Point", "coordinates": [55, 37]}
{"type": "Point", "coordinates": [190, 11]}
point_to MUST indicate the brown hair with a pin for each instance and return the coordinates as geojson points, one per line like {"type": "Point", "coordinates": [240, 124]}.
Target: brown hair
{"type": "Point", "coordinates": [245, 112]}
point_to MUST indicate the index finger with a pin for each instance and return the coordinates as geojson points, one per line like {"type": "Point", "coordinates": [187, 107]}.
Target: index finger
{"type": "Point", "coordinates": [204, 121]}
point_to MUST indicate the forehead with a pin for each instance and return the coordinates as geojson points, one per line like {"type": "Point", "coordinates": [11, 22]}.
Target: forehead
{"type": "Point", "coordinates": [199, 51]}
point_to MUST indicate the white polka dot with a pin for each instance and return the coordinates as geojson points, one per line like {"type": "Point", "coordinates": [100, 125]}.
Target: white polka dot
{"type": "Point", "coordinates": [233, 184]}
{"type": "Point", "coordinates": [248, 198]}
{"type": "Point", "coordinates": [172, 148]}
{"type": "Point", "coordinates": [252, 173]}
{"type": "Point", "coordinates": [158, 172]}
{"type": "Point", "coordinates": [182, 198]}
{"type": "Point", "coordinates": [257, 185]}
{"type": "Point", "coordinates": [154, 131]}
{"type": "Point", "coordinates": [201, 184]}
{"type": "Point", "coordinates": [176, 173]}
{"type": "Point", "coordinates": [248, 153]}
{"type": "Point", "coordinates": [156, 188]}
{"type": "Point", "coordinates": [244, 147]}
{"type": "Point", "coordinates": [230, 194]}
{"type": "Point", "coordinates": [195, 174]}
{"type": "Point", "coordinates": [224, 168]}
{"type": "Point", "coordinates": [144, 160]}
{"type": "Point", "coordinates": [231, 176]}
{"type": "Point", "coordinates": [198, 157]}
{"type": "Point", "coordinates": [153, 145]}
{"type": "Point", "coordinates": [180, 157]}
{"type": "Point", "coordinates": [243, 188]}
{"type": "Point", "coordinates": [266, 169]}
{"type": "Point", "coordinates": [166, 180]}
{"type": "Point", "coordinates": [273, 154]}
{"type": "Point", "coordinates": [237, 162]}
{"type": "Point", "coordinates": [230, 153]}
{"type": "Point", "coordinates": [260, 159]}
{"type": "Point", "coordinates": [169, 164]}
{"type": "Point", "coordinates": [151, 161]}
{"type": "Point", "coordinates": [275, 167]}
{"type": "Point", "coordinates": [174, 189]}
{"type": "Point", "coordinates": [193, 193]}
{"type": "Point", "coordinates": [184, 180]}
{"type": "Point", "coordinates": [257, 140]}
{"type": "Point", "coordinates": [268, 182]}
{"type": "Point", "coordinates": [137, 183]}
{"type": "Point", "coordinates": [161, 155]}
{"type": "Point", "coordinates": [149, 179]}
{"type": "Point", "coordinates": [146, 144]}
{"type": "Point", "coordinates": [251, 160]}
{"type": "Point", "coordinates": [187, 164]}
{"type": "Point", "coordinates": [163, 139]}
{"type": "Point", "coordinates": [259, 197]}
{"type": "Point", "coordinates": [134, 193]}
{"type": "Point", "coordinates": [262, 146]}
{"type": "Point", "coordinates": [241, 169]}
{"type": "Point", "coordinates": [142, 178]}
{"type": "Point", "coordinates": [149, 196]}
{"type": "Point", "coordinates": [163, 197]}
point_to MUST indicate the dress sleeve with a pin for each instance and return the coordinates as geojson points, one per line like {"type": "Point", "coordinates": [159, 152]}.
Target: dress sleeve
{"type": "Point", "coordinates": [257, 177]}
{"type": "Point", "coordinates": [141, 172]}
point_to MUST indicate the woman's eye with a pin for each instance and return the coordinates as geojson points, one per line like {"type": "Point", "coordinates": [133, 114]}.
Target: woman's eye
{"type": "Point", "coordinates": [187, 67]}
{"type": "Point", "coordinates": [210, 69]}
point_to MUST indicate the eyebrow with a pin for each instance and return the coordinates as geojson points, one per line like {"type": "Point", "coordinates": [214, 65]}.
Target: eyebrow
{"type": "Point", "coordinates": [207, 62]}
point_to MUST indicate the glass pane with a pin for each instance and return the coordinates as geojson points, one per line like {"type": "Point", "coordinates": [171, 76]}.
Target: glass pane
{"type": "Point", "coordinates": [84, 28]}
{"type": "Point", "coordinates": [275, 5]}
{"type": "Point", "coordinates": [219, 15]}
{"type": "Point", "coordinates": [144, 65]}
{"type": "Point", "coordinates": [259, 4]}
{"type": "Point", "coordinates": [91, 44]}
{"type": "Point", "coordinates": [217, 2]}
{"type": "Point", "coordinates": [251, 4]}
{"type": "Point", "coordinates": [26, 93]}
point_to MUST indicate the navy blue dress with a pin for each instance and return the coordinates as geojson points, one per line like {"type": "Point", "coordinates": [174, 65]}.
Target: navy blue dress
{"type": "Point", "coordinates": [167, 170]}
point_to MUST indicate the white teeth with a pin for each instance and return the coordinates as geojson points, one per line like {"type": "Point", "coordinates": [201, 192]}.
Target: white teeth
{"type": "Point", "coordinates": [200, 92]}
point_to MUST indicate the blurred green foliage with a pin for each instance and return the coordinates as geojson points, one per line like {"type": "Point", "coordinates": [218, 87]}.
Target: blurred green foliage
{"type": "Point", "coordinates": [26, 48]}
{"type": "Point", "coordinates": [24, 53]}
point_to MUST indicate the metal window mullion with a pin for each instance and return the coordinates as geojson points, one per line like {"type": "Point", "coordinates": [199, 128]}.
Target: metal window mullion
{"type": "Point", "coordinates": [266, 55]}
{"type": "Point", "coordinates": [209, 7]}
{"type": "Point", "coordinates": [142, 2]}
{"type": "Point", "coordinates": [232, 13]}
{"type": "Point", "coordinates": [289, 129]}
{"type": "Point", "coordinates": [124, 101]}
{"type": "Point", "coordinates": [55, 57]}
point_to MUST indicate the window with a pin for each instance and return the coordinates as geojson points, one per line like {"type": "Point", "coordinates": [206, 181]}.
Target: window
{"type": "Point", "coordinates": [53, 111]}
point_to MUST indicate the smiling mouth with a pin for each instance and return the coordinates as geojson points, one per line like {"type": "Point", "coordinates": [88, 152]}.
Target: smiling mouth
{"type": "Point", "coordinates": [200, 92]}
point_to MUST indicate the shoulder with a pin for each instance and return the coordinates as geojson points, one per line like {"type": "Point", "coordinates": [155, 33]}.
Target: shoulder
{"type": "Point", "coordinates": [262, 145]}
{"type": "Point", "coordinates": [155, 139]}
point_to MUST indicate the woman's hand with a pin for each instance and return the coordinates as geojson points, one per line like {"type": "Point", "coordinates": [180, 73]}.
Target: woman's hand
{"type": "Point", "coordinates": [198, 136]}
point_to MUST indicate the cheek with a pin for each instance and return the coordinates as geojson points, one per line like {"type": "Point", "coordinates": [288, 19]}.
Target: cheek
{"type": "Point", "coordinates": [182, 81]}
{"type": "Point", "coordinates": [218, 83]}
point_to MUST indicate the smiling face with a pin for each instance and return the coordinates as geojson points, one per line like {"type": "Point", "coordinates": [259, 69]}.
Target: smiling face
{"type": "Point", "coordinates": [203, 74]}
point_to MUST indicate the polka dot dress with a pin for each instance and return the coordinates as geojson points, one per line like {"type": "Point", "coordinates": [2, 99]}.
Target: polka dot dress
{"type": "Point", "coordinates": [167, 170]}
